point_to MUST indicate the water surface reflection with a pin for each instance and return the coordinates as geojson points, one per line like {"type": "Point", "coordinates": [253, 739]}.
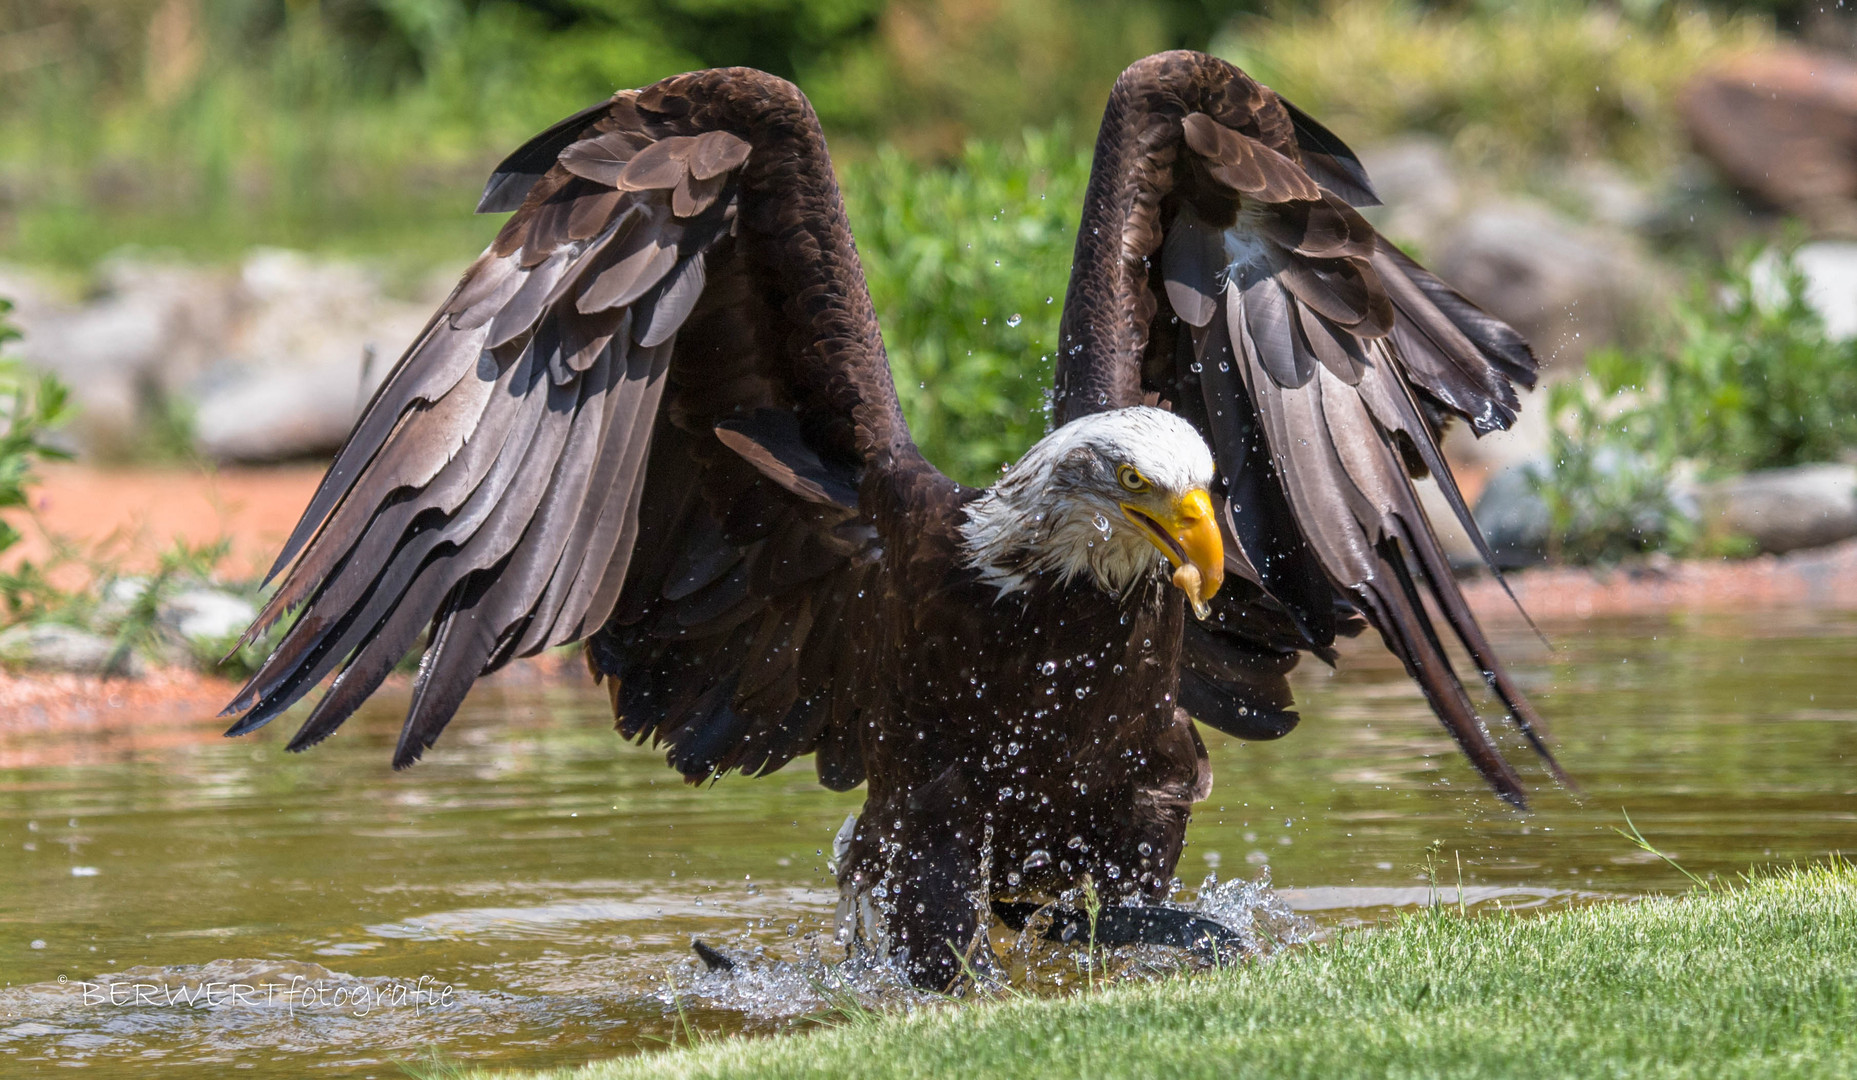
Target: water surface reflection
{"type": "Point", "coordinates": [551, 876]}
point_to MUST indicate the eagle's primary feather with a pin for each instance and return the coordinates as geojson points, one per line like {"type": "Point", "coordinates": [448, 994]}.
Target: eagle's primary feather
{"type": "Point", "coordinates": [656, 416]}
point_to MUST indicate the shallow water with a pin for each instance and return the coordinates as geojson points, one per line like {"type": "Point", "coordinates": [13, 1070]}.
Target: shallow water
{"type": "Point", "coordinates": [527, 895]}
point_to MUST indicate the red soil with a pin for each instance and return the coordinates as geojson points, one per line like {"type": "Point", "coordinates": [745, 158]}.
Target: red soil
{"type": "Point", "coordinates": [132, 515]}
{"type": "Point", "coordinates": [1824, 578]}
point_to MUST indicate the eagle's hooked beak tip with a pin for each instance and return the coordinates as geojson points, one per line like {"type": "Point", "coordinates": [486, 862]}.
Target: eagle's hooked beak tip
{"type": "Point", "coordinates": [1187, 532]}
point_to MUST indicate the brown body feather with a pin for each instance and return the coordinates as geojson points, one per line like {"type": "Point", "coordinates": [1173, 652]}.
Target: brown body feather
{"type": "Point", "coordinates": [656, 416]}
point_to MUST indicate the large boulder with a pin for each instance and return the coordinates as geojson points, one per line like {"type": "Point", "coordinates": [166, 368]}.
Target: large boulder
{"type": "Point", "coordinates": [128, 347]}
{"type": "Point", "coordinates": [1782, 126]}
{"type": "Point", "coordinates": [1785, 510]}
{"type": "Point", "coordinates": [1420, 191]}
{"type": "Point", "coordinates": [315, 339]}
{"type": "Point", "coordinates": [1566, 286]}
{"type": "Point", "coordinates": [272, 360]}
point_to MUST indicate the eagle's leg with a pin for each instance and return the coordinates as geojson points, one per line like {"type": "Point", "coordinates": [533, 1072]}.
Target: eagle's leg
{"type": "Point", "coordinates": [921, 865]}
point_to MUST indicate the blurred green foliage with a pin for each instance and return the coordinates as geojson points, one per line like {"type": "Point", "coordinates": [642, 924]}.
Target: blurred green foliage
{"type": "Point", "coordinates": [967, 266]}
{"type": "Point", "coordinates": [1511, 86]}
{"type": "Point", "coordinates": [32, 405]}
{"type": "Point", "coordinates": [1606, 500]}
{"type": "Point", "coordinates": [365, 126]}
{"type": "Point", "coordinates": [207, 126]}
{"type": "Point", "coordinates": [1744, 377]}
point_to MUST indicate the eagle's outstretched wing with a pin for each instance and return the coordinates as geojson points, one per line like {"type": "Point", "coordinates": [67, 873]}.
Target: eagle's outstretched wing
{"type": "Point", "coordinates": [642, 417]}
{"type": "Point", "coordinates": [1221, 266]}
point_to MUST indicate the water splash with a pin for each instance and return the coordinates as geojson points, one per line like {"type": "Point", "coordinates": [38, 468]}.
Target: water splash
{"type": "Point", "coordinates": [1255, 911]}
{"type": "Point", "coordinates": [814, 983]}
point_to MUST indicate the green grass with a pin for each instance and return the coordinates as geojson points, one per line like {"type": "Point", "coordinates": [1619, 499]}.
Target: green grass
{"type": "Point", "coordinates": [1758, 980]}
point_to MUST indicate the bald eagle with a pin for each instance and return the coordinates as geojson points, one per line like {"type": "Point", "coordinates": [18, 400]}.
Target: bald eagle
{"type": "Point", "coordinates": [655, 416]}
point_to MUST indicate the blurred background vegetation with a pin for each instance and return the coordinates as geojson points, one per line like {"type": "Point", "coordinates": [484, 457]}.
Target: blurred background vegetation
{"type": "Point", "coordinates": [364, 125]}
{"type": "Point", "coordinates": [202, 129]}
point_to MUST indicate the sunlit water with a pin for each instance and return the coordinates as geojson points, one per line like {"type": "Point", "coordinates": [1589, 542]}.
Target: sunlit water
{"type": "Point", "coordinates": [528, 894]}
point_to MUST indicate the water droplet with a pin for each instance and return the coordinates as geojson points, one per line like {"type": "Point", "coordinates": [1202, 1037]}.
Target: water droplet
{"type": "Point", "coordinates": [1013, 878]}
{"type": "Point", "coordinates": [1014, 319]}
{"type": "Point", "coordinates": [1036, 859]}
{"type": "Point", "coordinates": [1145, 848]}
{"type": "Point", "coordinates": [1075, 843]}
{"type": "Point", "coordinates": [1101, 523]}
{"type": "Point", "coordinates": [1049, 667]}
{"type": "Point", "coordinates": [1196, 367]}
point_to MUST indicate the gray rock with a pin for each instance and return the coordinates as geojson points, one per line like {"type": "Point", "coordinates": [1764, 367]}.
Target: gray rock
{"type": "Point", "coordinates": [55, 647]}
{"type": "Point", "coordinates": [1781, 125]}
{"type": "Point", "coordinates": [1785, 510]}
{"type": "Point", "coordinates": [300, 366]}
{"type": "Point", "coordinates": [274, 415]}
{"type": "Point", "coordinates": [1567, 287]}
{"type": "Point", "coordinates": [270, 355]}
{"type": "Point", "coordinates": [1419, 189]}
{"type": "Point", "coordinates": [1458, 547]}
{"type": "Point", "coordinates": [1515, 520]}
{"type": "Point", "coordinates": [125, 348]}
{"type": "Point", "coordinates": [1608, 195]}
{"type": "Point", "coordinates": [207, 616]}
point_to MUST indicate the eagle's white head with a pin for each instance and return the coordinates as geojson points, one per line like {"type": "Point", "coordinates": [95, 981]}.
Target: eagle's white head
{"type": "Point", "coordinates": [1110, 497]}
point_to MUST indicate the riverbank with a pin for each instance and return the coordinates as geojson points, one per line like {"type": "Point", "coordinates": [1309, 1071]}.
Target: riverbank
{"type": "Point", "coordinates": [1818, 578]}
{"type": "Point", "coordinates": [1756, 981]}
{"type": "Point", "coordinates": [129, 516]}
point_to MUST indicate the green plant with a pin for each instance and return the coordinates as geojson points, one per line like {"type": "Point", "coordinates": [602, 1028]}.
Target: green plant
{"type": "Point", "coordinates": [1606, 500]}
{"type": "Point", "coordinates": [1749, 380]}
{"type": "Point", "coordinates": [1746, 980]}
{"type": "Point", "coordinates": [1637, 838]}
{"type": "Point", "coordinates": [32, 405]}
{"type": "Point", "coordinates": [138, 627]}
{"type": "Point", "coordinates": [967, 266]}
{"type": "Point", "coordinates": [1746, 378]}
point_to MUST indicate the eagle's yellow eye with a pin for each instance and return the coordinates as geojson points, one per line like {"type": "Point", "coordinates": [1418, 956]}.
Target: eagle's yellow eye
{"type": "Point", "coordinates": [1131, 478]}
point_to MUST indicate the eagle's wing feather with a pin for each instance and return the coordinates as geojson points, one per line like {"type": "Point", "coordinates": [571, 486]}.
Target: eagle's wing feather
{"type": "Point", "coordinates": [642, 418]}
{"type": "Point", "coordinates": [1221, 267]}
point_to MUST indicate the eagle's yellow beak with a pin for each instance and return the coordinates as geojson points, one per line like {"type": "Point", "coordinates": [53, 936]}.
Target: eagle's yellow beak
{"type": "Point", "coordinates": [1188, 534]}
